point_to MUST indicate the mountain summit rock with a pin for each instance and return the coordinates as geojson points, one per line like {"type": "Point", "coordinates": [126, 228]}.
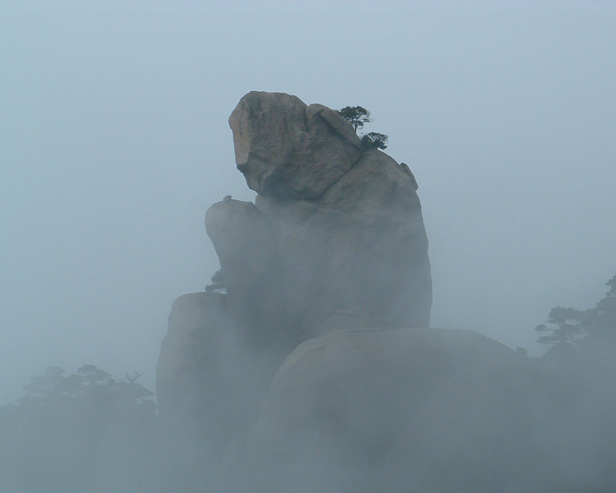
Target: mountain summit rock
{"type": "Point", "coordinates": [336, 237]}
{"type": "Point", "coordinates": [315, 369]}
{"type": "Point", "coordinates": [335, 240]}
{"type": "Point", "coordinates": [285, 148]}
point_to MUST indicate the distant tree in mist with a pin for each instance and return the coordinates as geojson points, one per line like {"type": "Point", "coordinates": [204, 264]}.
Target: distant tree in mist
{"type": "Point", "coordinates": [90, 386]}
{"type": "Point", "coordinates": [68, 432]}
{"type": "Point", "coordinates": [581, 360]}
{"type": "Point", "coordinates": [217, 283]}
{"type": "Point", "coordinates": [569, 326]}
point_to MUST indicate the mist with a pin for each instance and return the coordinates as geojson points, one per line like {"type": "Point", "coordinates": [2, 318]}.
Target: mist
{"type": "Point", "coordinates": [115, 143]}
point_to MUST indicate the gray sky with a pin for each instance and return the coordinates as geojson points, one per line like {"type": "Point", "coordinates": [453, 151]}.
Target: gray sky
{"type": "Point", "coordinates": [114, 141]}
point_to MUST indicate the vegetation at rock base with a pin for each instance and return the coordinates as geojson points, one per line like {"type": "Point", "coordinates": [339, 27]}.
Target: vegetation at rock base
{"type": "Point", "coordinates": [70, 432]}
{"type": "Point", "coordinates": [571, 327]}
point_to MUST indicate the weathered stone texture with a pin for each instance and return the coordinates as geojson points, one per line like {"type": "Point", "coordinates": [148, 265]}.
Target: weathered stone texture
{"type": "Point", "coordinates": [287, 149]}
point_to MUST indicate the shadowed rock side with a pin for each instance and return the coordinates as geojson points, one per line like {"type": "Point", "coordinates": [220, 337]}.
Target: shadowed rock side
{"type": "Point", "coordinates": [356, 256]}
{"type": "Point", "coordinates": [316, 372]}
{"type": "Point", "coordinates": [417, 410]}
{"type": "Point", "coordinates": [189, 376]}
{"type": "Point", "coordinates": [245, 243]}
{"type": "Point", "coordinates": [209, 386]}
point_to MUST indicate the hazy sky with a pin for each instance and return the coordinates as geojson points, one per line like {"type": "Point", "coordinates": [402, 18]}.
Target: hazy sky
{"type": "Point", "coordinates": [114, 142]}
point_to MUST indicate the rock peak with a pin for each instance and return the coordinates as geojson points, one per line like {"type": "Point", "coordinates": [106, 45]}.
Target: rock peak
{"type": "Point", "coordinates": [335, 240]}
{"type": "Point", "coordinates": [286, 148]}
{"type": "Point", "coordinates": [336, 234]}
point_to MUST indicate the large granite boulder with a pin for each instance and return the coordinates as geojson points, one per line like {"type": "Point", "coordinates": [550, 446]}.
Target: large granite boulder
{"type": "Point", "coordinates": [209, 382]}
{"type": "Point", "coordinates": [357, 256]}
{"type": "Point", "coordinates": [403, 410]}
{"type": "Point", "coordinates": [244, 241]}
{"type": "Point", "coordinates": [315, 370]}
{"type": "Point", "coordinates": [336, 239]}
{"type": "Point", "coordinates": [190, 376]}
{"type": "Point", "coordinates": [285, 148]}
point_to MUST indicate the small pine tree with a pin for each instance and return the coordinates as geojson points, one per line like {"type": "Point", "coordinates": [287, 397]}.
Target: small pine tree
{"type": "Point", "coordinates": [374, 140]}
{"type": "Point", "coordinates": [569, 326]}
{"type": "Point", "coordinates": [355, 115]}
{"type": "Point", "coordinates": [217, 283]}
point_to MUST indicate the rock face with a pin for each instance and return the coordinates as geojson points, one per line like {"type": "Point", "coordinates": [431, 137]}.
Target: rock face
{"type": "Point", "coordinates": [208, 385]}
{"type": "Point", "coordinates": [336, 238]}
{"type": "Point", "coordinates": [356, 256]}
{"type": "Point", "coordinates": [190, 377]}
{"type": "Point", "coordinates": [315, 370]}
{"type": "Point", "coordinates": [403, 410]}
{"type": "Point", "coordinates": [288, 149]}
{"type": "Point", "coordinates": [247, 250]}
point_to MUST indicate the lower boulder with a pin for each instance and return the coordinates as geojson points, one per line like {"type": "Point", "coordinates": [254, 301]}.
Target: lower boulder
{"type": "Point", "coordinates": [190, 376]}
{"type": "Point", "coordinates": [400, 410]}
{"type": "Point", "coordinates": [210, 382]}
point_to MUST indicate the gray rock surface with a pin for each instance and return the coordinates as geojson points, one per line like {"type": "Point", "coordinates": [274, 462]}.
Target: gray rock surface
{"type": "Point", "coordinates": [336, 239]}
{"type": "Point", "coordinates": [400, 410]}
{"type": "Point", "coordinates": [287, 149]}
{"type": "Point", "coordinates": [316, 372]}
{"type": "Point", "coordinates": [190, 379]}
{"type": "Point", "coordinates": [358, 255]}
{"type": "Point", "coordinates": [209, 386]}
{"type": "Point", "coordinates": [244, 241]}
{"type": "Point", "coordinates": [181, 361]}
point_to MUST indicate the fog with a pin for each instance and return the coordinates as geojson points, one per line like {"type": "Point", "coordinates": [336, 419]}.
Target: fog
{"type": "Point", "coordinates": [115, 142]}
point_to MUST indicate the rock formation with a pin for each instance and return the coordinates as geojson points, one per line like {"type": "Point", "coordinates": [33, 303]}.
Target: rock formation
{"type": "Point", "coordinates": [337, 230]}
{"type": "Point", "coordinates": [288, 149]}
{"type": "Point", "coordinates": [401, 410]}
{"type": "Point", "coordinates": [316, 371]}
{"type": "Point", "coordinates": [335, 240]}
